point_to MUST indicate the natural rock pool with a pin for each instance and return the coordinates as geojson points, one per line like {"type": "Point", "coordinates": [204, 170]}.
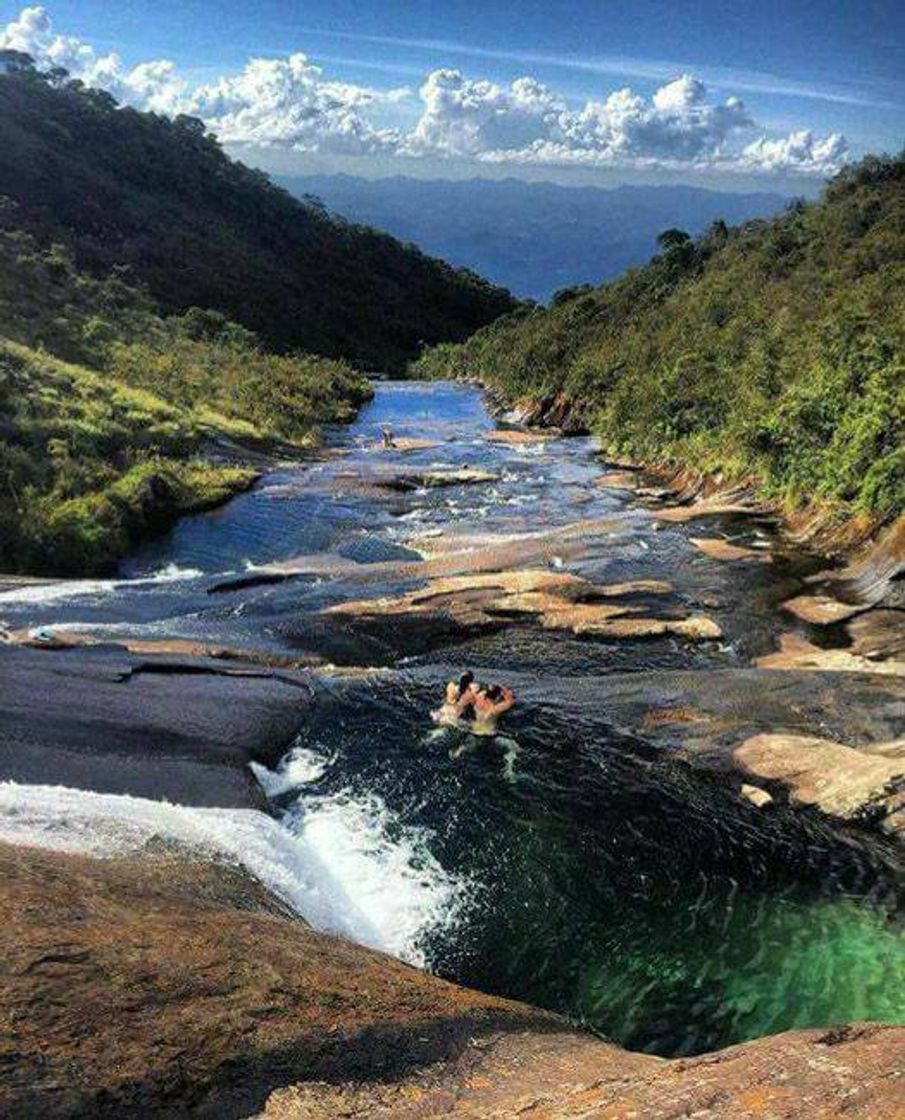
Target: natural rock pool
{"type": "Point", "coordinates": [580, 862]}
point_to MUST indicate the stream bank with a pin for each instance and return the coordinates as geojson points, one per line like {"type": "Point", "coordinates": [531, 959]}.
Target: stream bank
{"type": "Point", "coordinates": [616, 874]}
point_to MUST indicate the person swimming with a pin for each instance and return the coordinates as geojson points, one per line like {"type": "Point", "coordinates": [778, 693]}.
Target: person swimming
{"type": "Point", "coordinates": [490, 704]}
{"type": "Point", "coordinates": [457, 699]}
{"type": "Point", "coordinates": [487, 703]}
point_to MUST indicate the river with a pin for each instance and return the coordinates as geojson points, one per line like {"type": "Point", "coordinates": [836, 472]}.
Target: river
{"type": "Point", "coordinates": [578, 863]}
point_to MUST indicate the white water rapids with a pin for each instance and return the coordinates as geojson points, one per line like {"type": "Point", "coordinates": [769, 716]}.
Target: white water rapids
{"type": "Point", "coordinates": [330, 858]}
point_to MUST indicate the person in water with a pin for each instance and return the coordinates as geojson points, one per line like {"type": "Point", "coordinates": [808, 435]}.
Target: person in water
{"type": "Point", "coordinates": [457, 699]}
{"type": "Point", "coordinates": [489, 705]}
{"type": "Point", "coordinates": [388, 441]}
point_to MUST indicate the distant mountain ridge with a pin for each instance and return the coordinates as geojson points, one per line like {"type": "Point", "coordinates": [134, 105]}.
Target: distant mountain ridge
{"type": "Point", "coordinates": [532, 238]}
{"type": "Point", "coordinates": [160, 200]}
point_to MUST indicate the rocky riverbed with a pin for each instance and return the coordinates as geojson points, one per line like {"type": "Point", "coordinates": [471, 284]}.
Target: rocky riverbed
{"type": "Point", "coordinates": [688, 835]}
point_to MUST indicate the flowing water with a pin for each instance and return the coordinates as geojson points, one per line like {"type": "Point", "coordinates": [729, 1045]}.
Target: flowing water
{"type": "Point", "coordinates": [568, 862]}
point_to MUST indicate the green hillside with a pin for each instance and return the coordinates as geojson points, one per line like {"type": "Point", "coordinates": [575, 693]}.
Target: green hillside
{"type": "Point", "coordinates": [159, 199]}
{"type": "Point", "coordinates": [776, 349]}
{"type": "Point", "coordinates": [115, 420]}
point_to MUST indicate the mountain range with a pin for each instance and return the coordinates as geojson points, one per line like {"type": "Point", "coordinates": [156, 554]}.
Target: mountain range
{"type": "Point", "coordinates": [532, 238]}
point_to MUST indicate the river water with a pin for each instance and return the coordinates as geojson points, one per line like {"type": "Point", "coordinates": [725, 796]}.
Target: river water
{"type": "Point", "coordinates": [572, 864]}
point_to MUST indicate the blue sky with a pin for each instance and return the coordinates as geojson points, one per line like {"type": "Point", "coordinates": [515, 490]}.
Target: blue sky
{"type": "Point", "coordinates": [716, 92]}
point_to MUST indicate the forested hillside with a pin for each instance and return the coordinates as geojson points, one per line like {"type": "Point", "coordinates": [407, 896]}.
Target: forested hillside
{"type": "Point", "coordinates": [113, 419]}
{"type": "Point", "coordinates": [159, 200]}
{"type": "Point", "coordinates": [775, 349]}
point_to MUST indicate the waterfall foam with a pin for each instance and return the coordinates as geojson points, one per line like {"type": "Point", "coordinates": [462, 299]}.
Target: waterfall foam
{"type": "Point", "coordinates": [77, 588]}
{"type": "Point", "coordinates": [333, 862]}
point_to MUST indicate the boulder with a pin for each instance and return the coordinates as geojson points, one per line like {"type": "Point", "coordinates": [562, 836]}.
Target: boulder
{"type": "Point", "coordinates": [212, 1001]}
{"type": "Point", "coordinates": [839, 780]}
{"type": "Point", "coordinates": [756, 795]}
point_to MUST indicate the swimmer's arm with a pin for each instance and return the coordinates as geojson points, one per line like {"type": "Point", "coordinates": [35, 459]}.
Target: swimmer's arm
{"type": "Point", "coordinates": [467, 699]}
{"type": "Point", "coordinates": [506, 703]}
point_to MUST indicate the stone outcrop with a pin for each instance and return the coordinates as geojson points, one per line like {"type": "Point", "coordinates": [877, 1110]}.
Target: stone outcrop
{"type": "Point", "coordinates": [619, 480]}
{"type": "Point", "coordinates": [737, 504]}
{"type": "Point", "coordinates": [847, 1073]}
{"type": "Point", "coordinates": [181, 729]}
{"type": "Point", "coordinates": [516, 436]}
{"type": "Point", "coordinates": [164, 988]}
{"type": "Point", "coordinates": [404, 444]}
{"type": "Point", "coordinates": [796, 652]}
{"type": "Point", "coordinates": [167, 988]}
{"type": "Point", "coordinates": [822, 610]}
{"type": "Point", "coordinates": [405, 481]}
{"type": "Point", "coordinates": [718, 549]}
{"type": "Point", "coordinates": [842, 781]}
{"type": "Point", "coordinates": [463, 556]}
{"type": "Point", "coordinates": [555, 600]}
{"type": "Point", "coordinates": [868, 597]}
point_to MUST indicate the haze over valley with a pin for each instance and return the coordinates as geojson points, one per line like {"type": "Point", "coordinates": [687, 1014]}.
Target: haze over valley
{"type": "Point", "coordinates": [532, 237]}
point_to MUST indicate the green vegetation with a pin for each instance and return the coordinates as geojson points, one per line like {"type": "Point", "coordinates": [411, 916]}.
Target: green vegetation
{"type": "Point", "coordinates": [107, 446]}
{"type": "Point", "coordinates": [118, 229]}
{"type": "Point", "coordinates": [774, 350]}
{"type": "Point", "coordinates": [88, 467]}
{"type": "Point", "coordinates": [158, 201]}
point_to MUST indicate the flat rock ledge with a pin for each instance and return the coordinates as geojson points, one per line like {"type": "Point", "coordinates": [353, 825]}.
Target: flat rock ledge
{"type": "Point", "coordinates": [719, 549]}
{"type": "Point", "coordinates": [851, 784]}
{"type": "Point", "coordinates": [551, 599]}
{"type": "Point", "coordinates": [515, 437]}
{"type": "Point", "coordinates": [796, 652]}
{"type": "Point", "coordinates": [406, 481]}
{"type": "Point", "coordinates": [164, 988]}
{"type": "Point", "coordinates": [866, 598]}
{"type": "Point", "coordinates": [404, 444]}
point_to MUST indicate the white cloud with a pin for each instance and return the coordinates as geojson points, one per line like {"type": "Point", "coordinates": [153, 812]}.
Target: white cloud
{"type": "Point", "coordinates": [462, 117]}
{"type": "Point", "coordinates": [290, 103]}
{"type": "Point", "coordinates": [149, 85]}
{"type": "Point", "coordinates": [797, 149]}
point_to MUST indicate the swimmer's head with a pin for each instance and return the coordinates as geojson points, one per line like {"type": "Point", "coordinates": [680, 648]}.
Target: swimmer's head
{"type": "Point", "coordinates": [494, 692]}
{"type": "Point", "coordinates": [466, 681]}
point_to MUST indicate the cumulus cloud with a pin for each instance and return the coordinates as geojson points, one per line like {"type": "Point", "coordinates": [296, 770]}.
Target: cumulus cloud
{"type": "Point", "coordinates": [798, 149]}
{"type": "Point", "coordinates": [290, 103]}
{"type": "Point", "coordinates": [149, 85]}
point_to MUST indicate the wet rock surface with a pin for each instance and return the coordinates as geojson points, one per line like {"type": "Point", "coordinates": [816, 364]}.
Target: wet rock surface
{"type": "Point", "coordinates": [154, 986]}
{"type": "Point", "coordinates": [842, 781]}
{"type": "Point", "coordinates": [211, 1001]}
{"type": "Point", "coordinates": [178, 729]}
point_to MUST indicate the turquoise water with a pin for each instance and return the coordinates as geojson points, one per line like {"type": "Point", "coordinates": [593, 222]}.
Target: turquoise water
{"type": "Point", "coordinates": [601, 878]}
{"type": "Point", "coordinates": [605, 881]}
